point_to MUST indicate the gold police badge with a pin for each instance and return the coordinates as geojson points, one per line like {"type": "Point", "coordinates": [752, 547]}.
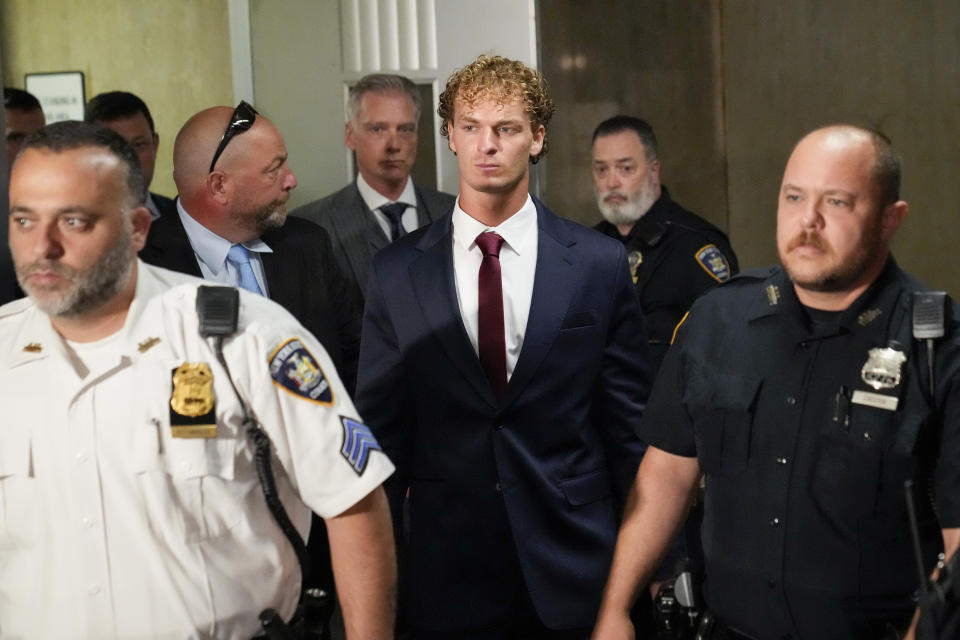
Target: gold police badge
{"type": "Point", "coordinates": [882, 369]}
{"type": "Point", "coordinates": [192, 402]}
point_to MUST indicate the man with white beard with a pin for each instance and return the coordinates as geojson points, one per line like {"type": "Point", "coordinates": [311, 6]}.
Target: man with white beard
{"type": "Point", "coordinates": [674, 255]}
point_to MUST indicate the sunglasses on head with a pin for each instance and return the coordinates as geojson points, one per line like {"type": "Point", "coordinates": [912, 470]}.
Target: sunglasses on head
{"type": "Point", "coordinates": [242, 119]}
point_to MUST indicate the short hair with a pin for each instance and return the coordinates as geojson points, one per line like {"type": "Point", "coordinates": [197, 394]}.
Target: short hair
{"type": "Point", "coordinates": [114, 105]}
{"type": "Point", "coordinates": [383, 83]}
{"type": "Point", "coordinates": [73, 134]}
{"type": "Point", "coordinates": [886, 162]}
{"type": "Point", "coordinates": [503, 80]}
{"type": "Point", "coordinates": [886, 167]}
{"type": "Point", "coordinates": [20, 100]}
{"type": "Point", "coordinates": [642, 128]}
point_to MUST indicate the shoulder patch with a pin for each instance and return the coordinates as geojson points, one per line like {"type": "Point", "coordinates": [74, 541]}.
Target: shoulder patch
{"type": "Point", "coordinates": [713, 262]}
{"type": "Point", "coordinates": [358, 442]}
{"type": "Point", "coordinates": [295, 370]}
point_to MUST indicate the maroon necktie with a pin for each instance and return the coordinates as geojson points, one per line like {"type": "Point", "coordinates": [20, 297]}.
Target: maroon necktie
{"type": "Point", "coordinates": [491, 342]}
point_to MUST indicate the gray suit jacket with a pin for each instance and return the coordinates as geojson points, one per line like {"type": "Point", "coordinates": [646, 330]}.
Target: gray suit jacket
{"type": "Point", "coordinates": [354, 231]}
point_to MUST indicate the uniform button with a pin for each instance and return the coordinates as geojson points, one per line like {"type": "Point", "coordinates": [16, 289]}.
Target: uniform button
{"type": "Point", "coordinates": [81, 457]}
{"type": "Point", "coordinates": [774, 522]}
{"type": "Point", "coordinates": [87, 522]}
{"type": "Point", "coordinates": [781, 461]}
{"type": "Point", "coordinates": [791, 400]}
{"type": "Point", "coordinates": [771, 583]}
{"type": "Point", "coordinates": [498, 487]}
{"type": "Point", "coordinates": [94, 589]}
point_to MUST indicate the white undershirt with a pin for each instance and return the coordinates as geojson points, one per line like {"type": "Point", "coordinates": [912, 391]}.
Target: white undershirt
{"type": "Point", "coordinates": [518, 266]}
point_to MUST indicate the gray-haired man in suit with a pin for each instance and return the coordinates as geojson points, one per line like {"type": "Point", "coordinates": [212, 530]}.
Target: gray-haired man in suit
{"type": "Point", "coordinates": [383, 203]}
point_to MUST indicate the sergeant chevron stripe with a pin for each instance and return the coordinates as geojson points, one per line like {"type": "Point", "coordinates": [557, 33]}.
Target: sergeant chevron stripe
{"type": "Point", "coordinates": [358, 442]}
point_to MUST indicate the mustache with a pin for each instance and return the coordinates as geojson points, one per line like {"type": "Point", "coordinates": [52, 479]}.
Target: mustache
{"type": "Point", "coordinates": [618, 194]}
{"type": "Point", "coordinates": [46, 266]}
{"type": "Point", "coordinates": [808, 238]}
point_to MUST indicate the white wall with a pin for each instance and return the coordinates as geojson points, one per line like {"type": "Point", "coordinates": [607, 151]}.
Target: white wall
{"type": "Point", "coordinates": [305, 52]}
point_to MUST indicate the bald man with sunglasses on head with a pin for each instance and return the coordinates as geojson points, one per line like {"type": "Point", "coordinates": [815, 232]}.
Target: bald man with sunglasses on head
{"type": "Point", "coordinates": [233, 182]}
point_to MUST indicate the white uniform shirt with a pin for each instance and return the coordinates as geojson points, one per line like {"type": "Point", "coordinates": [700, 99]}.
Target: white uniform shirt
{"type": "Point", "coordinates": [518, 268]}
{"type": "Point", "coordinates": [111, 527]}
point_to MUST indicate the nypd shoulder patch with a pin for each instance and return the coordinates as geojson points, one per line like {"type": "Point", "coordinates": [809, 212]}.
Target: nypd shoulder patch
{"type": "Point", "coordinates": [295, 370]}
{"type": "Point", "coordinates": [358, 442]}
{"type": "Point", "coordinates": [713, 262]}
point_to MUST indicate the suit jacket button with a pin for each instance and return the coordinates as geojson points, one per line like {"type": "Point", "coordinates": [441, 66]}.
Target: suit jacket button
{"type": "Point", "coordinates": [498, 423]}
{"type": "Point", "coordinates": [498, 487]}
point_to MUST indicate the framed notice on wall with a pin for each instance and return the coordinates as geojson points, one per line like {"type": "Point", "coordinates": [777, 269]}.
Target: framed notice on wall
{"type": "Point", "coordinates": [61, 94]}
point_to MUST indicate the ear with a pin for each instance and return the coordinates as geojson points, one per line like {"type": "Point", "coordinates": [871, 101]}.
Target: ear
{"type": "Point", "coordinates": [537, 145]}
{"type": "Point", "coordinates": [349, 137]}
{"type": "Point", "coordinates": [217, 187]}
{"type": "Point", "coordinates": [450, 143]}
{"type": "Point", "coordinates": [140, 219]}
{"type": "Point", "coordinates": [891, 217]}
{"type": "Point", "coordinates": [654, 168]}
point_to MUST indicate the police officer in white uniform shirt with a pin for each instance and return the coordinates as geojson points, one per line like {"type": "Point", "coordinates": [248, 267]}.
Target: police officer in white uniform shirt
{"type": "Point", "coordinates": [120, 516]}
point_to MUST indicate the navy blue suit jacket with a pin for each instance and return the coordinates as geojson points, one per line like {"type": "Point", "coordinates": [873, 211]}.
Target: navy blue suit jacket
{"type": "Point", "coordinates": [521, 492]}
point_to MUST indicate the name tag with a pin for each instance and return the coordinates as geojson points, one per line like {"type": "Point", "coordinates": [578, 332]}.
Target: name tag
{"type": "Point", "coordinates": [876, 400]}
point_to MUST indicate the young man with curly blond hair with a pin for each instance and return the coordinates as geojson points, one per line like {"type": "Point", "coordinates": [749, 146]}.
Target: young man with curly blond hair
{"type": "Point", "coordinates": [502, 369]}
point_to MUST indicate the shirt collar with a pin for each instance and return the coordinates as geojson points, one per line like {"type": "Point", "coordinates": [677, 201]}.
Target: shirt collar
{"type": "Point", "coordinates": [516, 230]}
{"type": "Point", "coordinates": [374, 199]}
{"type": "Point", "coordinates": [152, 207]}
{"type": "Point", "coordinates": [211, 248]}
{"type": "Point", "coordinates": [38, 339]}
{"type": "Point", "coordinates": [867, 311]}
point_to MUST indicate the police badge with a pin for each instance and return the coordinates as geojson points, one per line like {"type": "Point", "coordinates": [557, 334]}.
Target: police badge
{"type": "Point", "coordinates": [634, 259]}
{"type": "Point", "coordinates": [882, 369]}
{"type": "Point", "coordinates": [192, 402]}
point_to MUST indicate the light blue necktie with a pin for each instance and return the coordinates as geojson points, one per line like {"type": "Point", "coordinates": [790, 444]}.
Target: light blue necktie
{"type": "Point", "coordinates": [240, 258]}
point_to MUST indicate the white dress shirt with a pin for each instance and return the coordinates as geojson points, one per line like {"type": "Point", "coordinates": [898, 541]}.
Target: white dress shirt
{"type": "Point", "coordinates": [374, 200]}
{"type": "Point", "coordinates": [211, 253]}
{"type": "Point", "coordinates": [518, 266]}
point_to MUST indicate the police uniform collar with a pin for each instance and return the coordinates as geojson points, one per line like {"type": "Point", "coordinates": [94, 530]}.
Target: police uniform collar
{"type": "Point", "coordinates": [653, 226]}
{"type": "Point", "coordinates": [778, 297]}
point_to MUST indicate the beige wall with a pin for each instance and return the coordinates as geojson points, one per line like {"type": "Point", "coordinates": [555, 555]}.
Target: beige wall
{"type": "Point", "coordinates": [652, 59]}
{"type": "Point", "coordinates": [729, 86]}
{"type": "Point", "coordinates": [297, 80]}
{"type": "Point", "coordinates": [174, 54]}
{"type": "Point", "coordinates": [794, 65]}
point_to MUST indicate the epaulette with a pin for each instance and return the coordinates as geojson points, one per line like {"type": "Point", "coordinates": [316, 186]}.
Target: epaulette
{"type": "Point", "coordinates": [750, 276]}
{"type": "Point", "coordinates": [15, 307]}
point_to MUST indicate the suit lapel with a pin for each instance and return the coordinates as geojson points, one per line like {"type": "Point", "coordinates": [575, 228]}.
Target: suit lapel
{"type": "Point", "coordinates": [169, 246]}
{"type": "Point", "coordinates": [433, 284]}
{"type": "Point", "coordinates": [353, 222]}
{"type": "Point", "coordinates": [556, 278]}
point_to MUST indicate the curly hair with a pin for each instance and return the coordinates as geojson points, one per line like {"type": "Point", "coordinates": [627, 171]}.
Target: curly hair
{"type": "Point", "coordinates": [502, 80]}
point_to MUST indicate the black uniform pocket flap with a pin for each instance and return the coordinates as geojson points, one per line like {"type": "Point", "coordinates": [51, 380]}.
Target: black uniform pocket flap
{"type": "Point", "coordinates": [586, 488]}
{"type": "Point", "coordinates": [717, 389]}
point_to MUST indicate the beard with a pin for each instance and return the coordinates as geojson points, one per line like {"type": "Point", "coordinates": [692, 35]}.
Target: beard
{"type": "Point", "coordinates": [633, 207]}
{"type": "Point", "coordinates": [845, 275]}
{"type": "Point", "coordinates": [270, 216]}
{"type": "Point", "coordinates": [88, 288]}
